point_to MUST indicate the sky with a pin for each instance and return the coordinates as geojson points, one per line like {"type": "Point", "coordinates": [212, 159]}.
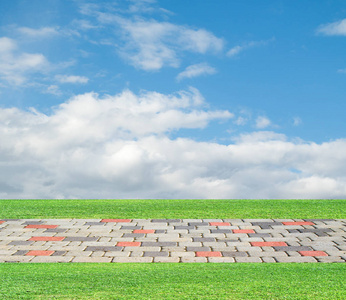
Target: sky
{"type": "Point", "coordinates": [128, 99]}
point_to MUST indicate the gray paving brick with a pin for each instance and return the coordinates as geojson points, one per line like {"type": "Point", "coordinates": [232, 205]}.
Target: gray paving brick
{"type": "Point", "coordinates": [159, 244]}
{"type": "Point", "coordinates": [15, 243]}
{"type": "Point", "coordinates": [292, 248]}
{"type": "Point", "coordinates": [195, 249]}
{"type": "Point", "coordinates": [234, 254]}
{"type": "Point", "coordinates": [20, 252]}
{"type": "Point", "coordinates": [103, 248]}
{"type": "Point", "coordinates": [81, 238]}
{"type": "Point", "coordinates": [94, 223]}
{"type": "Point", "coordinates": [155, 253]}
{"type": "Point", "coordinates": [209, 239]}
{"type": "Point", "coordinates": [220, 231]}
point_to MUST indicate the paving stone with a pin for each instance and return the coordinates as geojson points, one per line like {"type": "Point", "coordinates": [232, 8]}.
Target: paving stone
{"type": "Point", "coordinates": [268, 259]}
{"type": "Point", "coordinates": [15, 243]}
{"type": "Point", "coordinates": [234, 254]}
{"type": "Point", "coordinates": [132, 259]}
{"type": "Point", "coordinates": [176, 239]}
{"type": "Point", "coordinates": [196, 249]}
{"type": "Point", "coordinates": [155, 253]}
{"type": "Point", "coordinates": [248, 259]}
{"type": "Point", "coordinates": [296, 259]}
{"type": "Point", "coordinates": [182, 254]}
{"type": "Point", "coordinates": [51, 259]}
{"type": "Point", "coordinates": [166, 221]}
{"type": "Point", "coordinates": [20, 252]}
{"type": "Point", "coordinates": [292, 248]}
{"type": "Point", "coordinates": [166, 259]}
{"type": "Point", "coordinates": [159, 244]}
{"type": "Point", "coordinates": [193, 259]}
{"type": "Point", "coordinates": [103, 248]}
{"type": "Point", "coordinates": [210, 239]}
{"type": "Point", "coordinates": [221, 259]}
{"type": "Point", "coordinates": [92, 259]}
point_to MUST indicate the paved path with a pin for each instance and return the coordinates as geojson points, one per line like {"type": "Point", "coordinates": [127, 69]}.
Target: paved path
{"type": "Point", "coordinates": [172, 240]}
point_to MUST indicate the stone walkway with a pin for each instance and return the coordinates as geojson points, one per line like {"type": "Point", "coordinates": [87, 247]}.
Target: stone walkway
{"type": "Point", "coordinates": [172, 240]}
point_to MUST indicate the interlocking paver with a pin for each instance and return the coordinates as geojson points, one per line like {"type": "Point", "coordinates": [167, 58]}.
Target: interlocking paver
{"type": "Point", "coordinates": [173, 240]}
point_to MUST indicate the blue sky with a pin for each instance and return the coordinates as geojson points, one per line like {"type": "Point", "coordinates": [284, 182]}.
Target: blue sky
{"type": "Point", "coordinates": [172, 99]}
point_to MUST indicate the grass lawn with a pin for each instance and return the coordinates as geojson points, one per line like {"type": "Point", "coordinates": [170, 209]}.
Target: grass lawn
{"type": "Point", "coordinates": [188, 209]}
{"type": "Point", "coordinates": [173, 281]}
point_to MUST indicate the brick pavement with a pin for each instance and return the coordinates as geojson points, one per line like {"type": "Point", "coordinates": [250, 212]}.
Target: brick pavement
{"type": "Point", "coordinates": [172, 240]}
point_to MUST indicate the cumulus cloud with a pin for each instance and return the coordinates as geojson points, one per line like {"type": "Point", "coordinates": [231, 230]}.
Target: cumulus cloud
{"type": "Point", "coordinates": [14, 65]}
{"type": "Point", "coordinates": [196, 70]}
{"type": "Point", "coordinates": [262, 122]}
{"type": "Point", "coordinates": [71, 79]}
{"type": "Point", "coordinates": [120, 147]}
{"type": "Point", "coordinates": [335, 28]}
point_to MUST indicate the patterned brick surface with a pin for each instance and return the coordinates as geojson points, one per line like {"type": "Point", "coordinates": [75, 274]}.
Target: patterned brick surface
{"type": "Point", "coordinates": [173, 240]}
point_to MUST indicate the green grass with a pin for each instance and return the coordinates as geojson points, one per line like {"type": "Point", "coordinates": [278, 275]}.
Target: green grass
{"type": "Point", "coordinates": [172, 281]}
{"type": "Point", "coordinates": [243, 209]}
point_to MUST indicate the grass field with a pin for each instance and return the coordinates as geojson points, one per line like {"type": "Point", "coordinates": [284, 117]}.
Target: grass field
{"type": "Point", "coordinates": [141, 209]}
{"type": "Point", "coordinates": [173, 281]}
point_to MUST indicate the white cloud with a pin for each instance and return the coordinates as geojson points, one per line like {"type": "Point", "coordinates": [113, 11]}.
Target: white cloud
{"type": "Point", "coordinates": [40, 32]}
{"type": "Point", "coordinates": [53, 89]}
{"type": "Point", "coordinates": [335, 28]}
{"type": "Point", "coordinates": [262, 122]}
{"type": "Point", "coordinates": [72, 79]}
{"type": "Point", "coordinates": [342, 70]}
{"type": "Point", "coordinates": [240, 48]}
{"type": "Point", "coordinates": [196, 70]}
{"type": "Point", "coordinates": [151, 45]}
{"type": "Point", "coordinates": [119, 147]}
{"type": "Point", "coordinates": [14, 65]}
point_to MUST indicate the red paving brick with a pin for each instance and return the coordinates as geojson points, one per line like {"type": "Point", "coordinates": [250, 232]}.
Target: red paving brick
{"type": "Point", "coordinates": [219, 224]}
{"type": "Point", "coordinates": [243, 231]}
{"type": "Point", "coordinates": [267, 244]}
{"type": "Point", "coordinates": [116, 220]}
{"type": "Point", "coordinates": [298, 223]}
{"type": "Point", "coordinates": [47, 238]}
{"type": "Point", "coordinates": [41, 226]}
{"type": "Point", "coordinates": [313, 253]}
{"type": "Point", "coordinates": [39, 253]}
{"type": "Point", "coordinates": [144, 231]}
{"type": "Point", "coordinates": [208, 254]}
{"type": "Point", "coordinates": [128, 244]}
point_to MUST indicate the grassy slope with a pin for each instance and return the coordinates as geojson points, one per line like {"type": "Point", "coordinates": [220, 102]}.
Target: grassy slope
{"type": "Point", "coordinates": [136, 209]}
{"type": "Point", "coordinates": [172, 281]}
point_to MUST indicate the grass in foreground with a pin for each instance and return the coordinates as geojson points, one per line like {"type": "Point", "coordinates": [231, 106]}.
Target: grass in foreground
{"type": "Point", "coordinates": [142, 209]}
{"type": "Point", "coordinates": [172, 281]}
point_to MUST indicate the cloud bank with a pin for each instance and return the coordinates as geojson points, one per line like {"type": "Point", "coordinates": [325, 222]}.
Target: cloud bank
{"type": "Point", "coordinates": [120, 147]}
